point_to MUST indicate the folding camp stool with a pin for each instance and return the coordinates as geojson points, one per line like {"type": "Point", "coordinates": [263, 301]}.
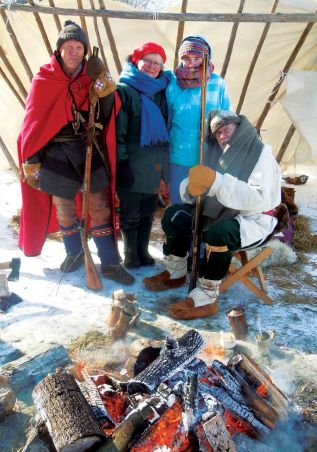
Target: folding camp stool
{"type": "Point", "coordinates": [249, 267]}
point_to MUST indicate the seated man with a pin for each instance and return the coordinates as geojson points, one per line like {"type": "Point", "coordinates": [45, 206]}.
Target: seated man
{"type": "Point", "coordinates": [240, 184]}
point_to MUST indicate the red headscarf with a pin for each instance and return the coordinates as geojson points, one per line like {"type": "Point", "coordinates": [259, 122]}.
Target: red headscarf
{"type": "Point", "coordinates": [149, 47]}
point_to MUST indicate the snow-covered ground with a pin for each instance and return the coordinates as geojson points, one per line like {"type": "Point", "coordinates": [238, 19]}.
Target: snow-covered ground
{"type": "Point", "coordinates": [56, 310]}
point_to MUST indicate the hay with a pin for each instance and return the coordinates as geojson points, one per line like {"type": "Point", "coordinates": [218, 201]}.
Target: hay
{"type": "Point", "coordinates": [303, 239]}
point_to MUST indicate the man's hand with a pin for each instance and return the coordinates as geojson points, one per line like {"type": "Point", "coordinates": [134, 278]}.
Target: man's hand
{"type": "Point", "coordinates": [31, 174]}
{"type": "Point", "coordinates": [201, 178]}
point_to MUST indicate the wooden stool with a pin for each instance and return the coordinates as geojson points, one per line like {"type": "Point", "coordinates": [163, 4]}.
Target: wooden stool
{"type": "Point", "coordinates": [249, 267]}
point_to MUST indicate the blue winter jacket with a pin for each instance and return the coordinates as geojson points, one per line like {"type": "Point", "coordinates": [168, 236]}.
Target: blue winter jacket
{"type": "Point", "coordinates": [184, 117]}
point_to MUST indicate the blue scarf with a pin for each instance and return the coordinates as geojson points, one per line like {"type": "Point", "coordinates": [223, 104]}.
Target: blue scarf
{"type": "Point", "coordinates": [153, 125]}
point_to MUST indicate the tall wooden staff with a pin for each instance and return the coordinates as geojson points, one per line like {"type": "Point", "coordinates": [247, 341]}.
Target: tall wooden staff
{"type": "Point", "coordinates": [196, 235]}
{"type": "Point", "coordinates": [93, 280]}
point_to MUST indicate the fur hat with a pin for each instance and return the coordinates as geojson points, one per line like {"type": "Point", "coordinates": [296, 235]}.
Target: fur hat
{"type": "Point", "coordinates": [149, 47]}
{"type": "Point", "coordinates": [70, 31]}
{"type": "Point", "coordinates": [195, 44]}
{"type": "Point", "coordinates": [219, 118]}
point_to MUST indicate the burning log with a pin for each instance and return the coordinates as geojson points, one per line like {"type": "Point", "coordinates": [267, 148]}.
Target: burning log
{"type": "Point", "coordinates": [176, 355]}
{"type": "Point", "coordinates": [234, 407]}
{"type": "Point", "coordinates": [271, 408]}
{"type": "Point", "coordinates": [66, 413]}
{"type": "Point", "coordinates": [138, 420]}
{"type": "Point", "coordinates": [213, 436]}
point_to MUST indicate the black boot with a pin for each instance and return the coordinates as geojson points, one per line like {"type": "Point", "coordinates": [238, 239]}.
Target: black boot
{"type": "Point", "coordinates": [130, 240]}
{"type": "Point", "coordinates": [144, 233]}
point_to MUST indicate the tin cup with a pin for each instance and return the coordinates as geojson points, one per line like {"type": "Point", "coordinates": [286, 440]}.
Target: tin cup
{"type": "Point", "coordinates": [264, 341]}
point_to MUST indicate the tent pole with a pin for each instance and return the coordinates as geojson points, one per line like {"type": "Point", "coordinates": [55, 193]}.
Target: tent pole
{"type": "Point", "coordinates": [111, 40]}
{"type": "Point", "coordinates": [42, 31]}
{"type": "Point", "coordinates": [14, 75]}
{"type": "Point", "coordinates": [56, 17]}
{"type": "Point", "coordinates": [255, 58]}
{"type": "Point", "coordinates": [17, 95]}
{"type": "Point", "coordinates": [285, 143]}
{"type": "Point", "coordinates": [231, 41]}
{"type": "Point", "coordinates": [9, 157]}
{"type": "Point", "coordinates": [83, 24]}
{"type": "Point", "coordinates": [180, 33]}
{"type": "Point", "coordinates": [100, 45]}
{"type": "Point", "coordinates": [285, 70]}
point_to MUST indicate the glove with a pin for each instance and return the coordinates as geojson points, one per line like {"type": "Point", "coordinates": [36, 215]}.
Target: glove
{"type": "Point", "coordinates": [31, 174]}
{"type": "Point", "coordinates": [125, 177]}
{"type": "Point", "coordinates": [201, 178]}
{"type": "Point", "coordinates": [103, 85]}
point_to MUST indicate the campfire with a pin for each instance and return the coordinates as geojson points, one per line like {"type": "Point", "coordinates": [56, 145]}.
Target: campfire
{"type": "Point", "coordinates": [172, 402]}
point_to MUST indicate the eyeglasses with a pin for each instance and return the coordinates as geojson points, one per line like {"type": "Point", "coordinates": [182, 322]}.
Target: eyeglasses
{"type": "Point", "coordinates": [152, 63]}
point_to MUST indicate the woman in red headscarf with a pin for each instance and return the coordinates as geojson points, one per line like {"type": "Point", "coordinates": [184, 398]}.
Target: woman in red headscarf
{"type": "Point", "coordinates": [142, 147]}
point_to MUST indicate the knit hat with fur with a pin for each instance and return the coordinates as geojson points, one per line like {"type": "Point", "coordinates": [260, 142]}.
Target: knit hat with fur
{"type": "Point", "coordinates": [70, 31]}
{"type": "Point", "coordinates": [219, 118]}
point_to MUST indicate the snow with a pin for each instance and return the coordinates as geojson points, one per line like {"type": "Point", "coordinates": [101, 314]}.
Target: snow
{"type": "Point", "coordinates": [57, 309]}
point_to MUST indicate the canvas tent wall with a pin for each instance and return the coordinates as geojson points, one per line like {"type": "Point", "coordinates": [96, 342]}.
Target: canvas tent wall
{"type": "Point", "coordinates": [238, 44]}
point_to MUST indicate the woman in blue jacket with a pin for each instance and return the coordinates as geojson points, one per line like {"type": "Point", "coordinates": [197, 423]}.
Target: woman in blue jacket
{"type": "Point", "coordinates": [183, 97]}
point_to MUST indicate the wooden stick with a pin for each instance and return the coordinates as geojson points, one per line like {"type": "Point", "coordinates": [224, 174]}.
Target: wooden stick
{"type": "Point", "coordinates": [285, 143]}
{"type": "Point", "coordinates": [92, 278]}
{"type": "Point", "coordinates": [56, 18]}
{"type": "Point", "coordinates": [255, 58]}
{"type": "Point", "coordinates": [180, 33]}
{"type": "Point", "coordinates": [189, 17]}
{"type": "Point", "coordinates": [197, 232]}
{"type": "Point", "coordinates": [16, 44]}
{"type": "Point", "coordinates": [42, 30]}
{"type": "Point", "coordinates": [17, 95]}
{"type": "Point", "coordinates": [83, 24]}
{"type": "Point", "coordinates": [14, 75]}
{"type": "Point", "coordinates": [285, 70]}
{"type": "Point", "coordinates": [231, 42]}
{"type": "Point", "coordinates": [9, 157]}
{"type": "Point", "coordinates": [100, 45]}
{"type": "Point", "coordinates": [111, 39]}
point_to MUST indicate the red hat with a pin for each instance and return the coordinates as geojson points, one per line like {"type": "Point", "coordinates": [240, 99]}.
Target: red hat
{"type": "Point", "coordinates": [149, 47]}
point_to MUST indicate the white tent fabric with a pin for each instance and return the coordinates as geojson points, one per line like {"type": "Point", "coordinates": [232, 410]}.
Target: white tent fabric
{"type": "Point", "coordinates": [129, 34]}
{"type": "Point", "coordinates": [300, 103]}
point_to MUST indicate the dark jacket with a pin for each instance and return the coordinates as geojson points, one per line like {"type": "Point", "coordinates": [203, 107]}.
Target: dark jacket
{"type": "Point", "coordinates": [148, 164]}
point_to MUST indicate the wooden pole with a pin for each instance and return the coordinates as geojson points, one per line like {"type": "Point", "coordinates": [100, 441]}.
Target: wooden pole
{"type": "Point", "coordinates": [16, 44]}
{"type": "Point", "coordinates": [285, 70]}
{"type": "Point", "coordinates": [7, 80]}
{"type": "Point", "coordinates": [14, 75]}
{"type": "Point", "coordinates": [103, 56]}
{"type": "Point", "coordinates": [56, 18]}
{"type": "Point", "coordinates": [8, 156]}
{"type": "Point", "coordinates": [231, 42]}
{"type": "Point", "coordinates": [189, 17]}
{"type": "Point", "coordinates": [111, 40]}
{"type": "Point", "coordinates": [83, 24]}
{"type": "Point", "coordinates": [42, 30]}
{"type": "Point", "coordinates": [180, 33]}
{"type": "Point", "coordinates": [285, 143]}
{"type": "Point", "coordinates": [255, 58]}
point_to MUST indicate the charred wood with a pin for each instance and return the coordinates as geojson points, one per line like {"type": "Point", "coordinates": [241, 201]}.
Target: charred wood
{"type": "Point", "coordinates": [173, 358]}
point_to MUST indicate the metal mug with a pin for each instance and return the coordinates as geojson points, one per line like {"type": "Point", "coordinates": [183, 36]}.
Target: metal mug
{"type": "Point", "coordinates": [264, 340]}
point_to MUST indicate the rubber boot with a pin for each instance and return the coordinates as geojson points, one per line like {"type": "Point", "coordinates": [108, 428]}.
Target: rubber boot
{"type": "Point", "coordinates": [130, 240]}
{"type": "Point", "coordinates": [144, 233]}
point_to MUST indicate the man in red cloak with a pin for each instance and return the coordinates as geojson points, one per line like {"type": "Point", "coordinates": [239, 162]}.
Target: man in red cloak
{"type": "Point", "coordinates": [52, 154]}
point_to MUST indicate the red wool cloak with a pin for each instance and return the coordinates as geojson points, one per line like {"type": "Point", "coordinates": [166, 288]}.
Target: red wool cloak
{"type": "Point", "coordinates": [48, 109]}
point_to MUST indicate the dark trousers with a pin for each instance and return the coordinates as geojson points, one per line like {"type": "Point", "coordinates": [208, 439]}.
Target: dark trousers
{"type": "Point", "coordinates": [136, 209]}
{"type": "Point", "coordinates": [177, 225]}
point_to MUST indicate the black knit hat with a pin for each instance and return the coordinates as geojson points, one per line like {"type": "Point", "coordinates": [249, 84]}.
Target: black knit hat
{"type": "Point", "coordinates": [70, 31]}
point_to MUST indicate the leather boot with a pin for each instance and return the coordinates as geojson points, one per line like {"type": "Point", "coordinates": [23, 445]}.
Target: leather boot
{"type": "Point", "coordinates": [130, 240]}
{"type": "Point", "coordinates": [174, 275]}
{"type": "Point", "coordinates": [201, 302]}
{"type": "Point", "coordinates": [144, 233]}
